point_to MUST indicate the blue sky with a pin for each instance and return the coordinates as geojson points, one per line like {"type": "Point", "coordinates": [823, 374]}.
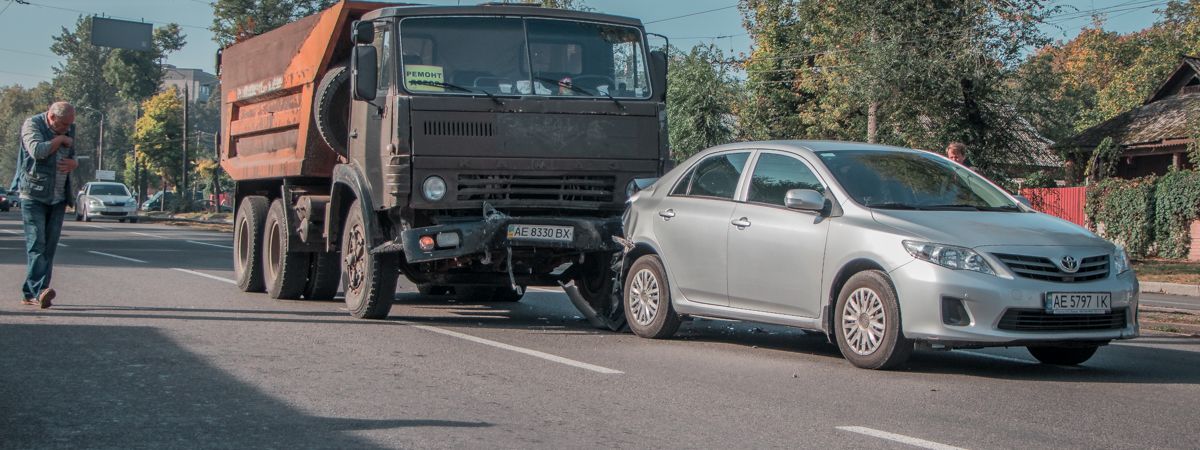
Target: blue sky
{"type": "Point", "coordinates": [27, 30]}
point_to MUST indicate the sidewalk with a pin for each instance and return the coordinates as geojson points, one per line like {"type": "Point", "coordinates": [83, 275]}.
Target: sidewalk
{"type": "Point", "coordinates": [1154, 287]}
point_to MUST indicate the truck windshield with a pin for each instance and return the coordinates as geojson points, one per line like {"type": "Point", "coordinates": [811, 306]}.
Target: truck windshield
{"type": "Point", "coordinates": [517, 56]}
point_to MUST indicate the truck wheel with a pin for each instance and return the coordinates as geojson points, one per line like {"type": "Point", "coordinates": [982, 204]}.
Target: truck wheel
{"type": "Point", "coordinates": [433, 289]}
{"type": "Point", "coordinates": [368, 280]}
{"type": "Point", "coordinates": [594, 279]}
{"type": "Point", "coordinates": [324, 274]}
{"type": "Point", "coordinates": [867, 322]}
{"type": "Point", "coordinates": [284, 271]}
{"type": "Point", "coordinates": [331, 108]}
{"type": "Point", "coordinates": [1062, 356]}
{"type": "Point", "coordinates": [247, 243]}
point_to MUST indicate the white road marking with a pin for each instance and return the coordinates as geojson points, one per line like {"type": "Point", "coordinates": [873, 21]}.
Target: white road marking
{"type": "Point", "coordinates": [12, 232]}
{"type": "Point", "coordinates": [60, 244]}
{"type": "Point", "coordinates": [513, 348]}
{"type": "Point", "coordinates": [97, 226]}
{"type": "Point", "coordinates": [542, 289]}
{"type": "Point", "coordinates": [205, 275]}
{"type": "Point", "coordinates": [147, 234]}
{"type": "Point", "coordinates": [117, 256]}
{"type": "Point", "coordinates": [1001, 358]}
{"type": "Point", "coordinates": [899, 438]}
{"type": "Point", "coordinates": [210, 245]}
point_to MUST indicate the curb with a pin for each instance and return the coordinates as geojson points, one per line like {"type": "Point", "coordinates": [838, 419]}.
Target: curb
{"type": "Point", "coordinates": [183, 219]}
{"type": "Point", "coordinates": [1154, 287]}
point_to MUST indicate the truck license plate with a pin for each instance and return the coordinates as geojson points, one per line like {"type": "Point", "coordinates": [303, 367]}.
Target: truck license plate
{"type": "Point", "coordinates": [544, 233]}
{"type": "Point", "coordinates": [1078, 302]}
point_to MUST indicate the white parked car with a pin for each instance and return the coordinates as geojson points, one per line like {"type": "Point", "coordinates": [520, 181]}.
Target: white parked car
{"type": "Point", "coordinates": [107, 200]}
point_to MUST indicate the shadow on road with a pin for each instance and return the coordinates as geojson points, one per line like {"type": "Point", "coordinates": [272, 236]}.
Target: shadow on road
{"type": "Point", "coordinates": [121, 387]}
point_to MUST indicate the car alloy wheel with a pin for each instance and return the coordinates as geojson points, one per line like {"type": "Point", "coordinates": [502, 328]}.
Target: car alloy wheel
{"type": "Point", "coordinates": [644, 297]}
{"type": "Point", "coordinates": [864, 321]}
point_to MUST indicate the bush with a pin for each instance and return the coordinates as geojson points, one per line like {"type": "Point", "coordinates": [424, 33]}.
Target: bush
{"type": "Point", "coordinates": [1039, 179]}
{"type": "Point", "coordinates": [1176, 205]}
{"type": "Point", "coordinates": [1126, 209]}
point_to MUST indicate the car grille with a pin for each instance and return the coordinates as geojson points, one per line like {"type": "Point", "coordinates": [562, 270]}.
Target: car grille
{"type": "Point", "coordinates": [1039, 268]}
{"type": "Point", "coordinates": [496, 187]}
{"type": "Point", "coordinates": [1040, 320]}
{"type": "Point", "coordinates": [114, 203]}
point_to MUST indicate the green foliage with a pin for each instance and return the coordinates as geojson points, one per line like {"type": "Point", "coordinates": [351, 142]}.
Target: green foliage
{"type": "Point", "coordinates": [1039, 179]}
{"type": "Point", "coordinates": [158, 136]}
{"type": "Point", "coordinates": [1176, 205]}
{"type": "Point", "coordinates": [1193, 150]}
{"type": "Point", "coordinates": [1104, 160]}
{"type": "Point", "coordinates": [236, 20]}
{"type": "Point", "coordinates": [16, 105]}
{"type": "Point", "coordinates": [1123, 211]}
{"type": "Point", "coordinates": [137, 75]}
{"type": "Point", "coordinates": [699, 92]}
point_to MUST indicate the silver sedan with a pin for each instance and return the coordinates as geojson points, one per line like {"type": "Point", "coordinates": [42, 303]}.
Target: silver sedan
{"type": "Point", "coordinates": [880, 248]}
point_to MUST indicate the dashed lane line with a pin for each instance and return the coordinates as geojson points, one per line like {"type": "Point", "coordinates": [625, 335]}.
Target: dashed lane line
{"type": "Point", "coordinates": [96, 226]}
{"type": "Point", "coordinates": [467, 337]}
{"type": "Point", "coordinates": [126, 258]}
{"type": "Point", "coordinates": [211, 245]}
{"type": "Point", "coordinates": [147, 234]}
{"type": "Point", "coordinates": [205, 275]}
{"type": "Point", "coordinates": [915, 442]}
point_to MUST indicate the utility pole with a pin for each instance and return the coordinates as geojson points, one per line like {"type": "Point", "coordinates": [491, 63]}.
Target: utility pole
{"type": "Point", "coordinates": [216, 181]}
{"type": "Point", "coordinates": [187, 199]}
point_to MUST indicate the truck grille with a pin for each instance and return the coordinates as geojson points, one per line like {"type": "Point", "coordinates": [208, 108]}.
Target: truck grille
{"type": "Point", "coordinates": [493, 187]}
{"type": "Point", "coordinates": [458, 128]}
{"type": "Point", "coordinates": [1040, 320]}
{"type": "Point", "coordinates": [1039, 268]}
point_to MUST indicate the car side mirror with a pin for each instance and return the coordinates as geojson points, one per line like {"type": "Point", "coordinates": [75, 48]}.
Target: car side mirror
{"type": "Point", "coordinates": [804, 200]}
{"type": "Point", "coordinates": [658, 74]}
{"type": "Point", "coordinates": [366, 72]}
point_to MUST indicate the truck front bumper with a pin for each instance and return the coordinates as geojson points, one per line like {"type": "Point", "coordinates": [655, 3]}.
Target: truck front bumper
{"type": "Point", "coordinates": [480, 236]}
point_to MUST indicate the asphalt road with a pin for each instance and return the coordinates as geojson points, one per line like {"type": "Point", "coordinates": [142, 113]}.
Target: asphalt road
{"type": "Point", "coordinates": [150, 345]}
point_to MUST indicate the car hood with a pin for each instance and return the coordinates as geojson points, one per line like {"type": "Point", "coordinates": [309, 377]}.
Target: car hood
{"type": "Point", "coordinates": [983, 228]}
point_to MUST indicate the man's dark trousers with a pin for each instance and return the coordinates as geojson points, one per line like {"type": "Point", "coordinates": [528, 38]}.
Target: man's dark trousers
{"type": "Point", "coordinates": [43, 225]}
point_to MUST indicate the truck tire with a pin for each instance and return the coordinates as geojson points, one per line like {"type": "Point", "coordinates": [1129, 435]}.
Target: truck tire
{"type": "Point", "coordinates": [284, 271]}
{"type": "Point", "coordinates": [247, 243]}
{"type": "Point", "coordinates": [324, 275]}
{"type": "Point", "coordinates": [368, 280]}
{"type": "Point", "coordinates": [594, 278]}
{"type": "Point", "coordinates": [331, 107]}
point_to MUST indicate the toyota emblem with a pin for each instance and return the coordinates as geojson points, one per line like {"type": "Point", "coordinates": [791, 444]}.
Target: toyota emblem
{"type": "Point", "coordinates": [1069, 264]}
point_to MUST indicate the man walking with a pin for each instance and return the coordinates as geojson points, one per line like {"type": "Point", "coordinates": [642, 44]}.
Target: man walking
{"type": "Point", "coordinates": [44, 181]}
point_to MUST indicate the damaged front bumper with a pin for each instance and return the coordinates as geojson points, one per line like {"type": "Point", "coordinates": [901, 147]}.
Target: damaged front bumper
{"type": "Point", "coordinates": [458, 239]}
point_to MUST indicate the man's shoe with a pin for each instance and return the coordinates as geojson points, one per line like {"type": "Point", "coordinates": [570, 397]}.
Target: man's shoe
{"type": "Point", "coordinates": [45, 297]}
{"type": "Point", "coordinates": [29, 302]}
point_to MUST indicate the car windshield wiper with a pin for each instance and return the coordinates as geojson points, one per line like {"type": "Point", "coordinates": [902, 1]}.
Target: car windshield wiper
{"type": "Point", "coordinates": [974, 207]}
{"type": "Point", "coordinates": [580, 90]}
{"type": "Point", "coordinates": [893, 205]}
{"type": "Point", "coordinates": [443, 84]}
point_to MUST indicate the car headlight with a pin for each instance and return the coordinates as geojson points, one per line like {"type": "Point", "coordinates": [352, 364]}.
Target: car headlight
{"type": "Point", "coordinates": [434, 188]}
{"type": "Point", "coordinates": [949, 256]}
{"type": "Point", "coordinates": [1121, 260]}
{"type": "Point", "coordinates": [95, 203]}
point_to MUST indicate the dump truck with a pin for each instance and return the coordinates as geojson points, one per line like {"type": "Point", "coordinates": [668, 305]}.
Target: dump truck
{"type": "Point", "coordinates": [475, 150]}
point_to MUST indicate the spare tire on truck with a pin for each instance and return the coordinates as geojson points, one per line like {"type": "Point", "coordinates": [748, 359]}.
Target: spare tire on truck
{"type": "Point", "coordinates": [331, 107]}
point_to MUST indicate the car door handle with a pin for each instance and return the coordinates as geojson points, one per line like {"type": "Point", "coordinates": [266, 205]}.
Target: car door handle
{"type": "Point", "coordinates": [667, 214]}
{"type": "Point", "coordinates": [741, 223]}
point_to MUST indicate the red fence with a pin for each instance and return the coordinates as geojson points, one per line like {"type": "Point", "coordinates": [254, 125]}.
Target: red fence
{"type": "Point", "coordinates": [1065, 203]}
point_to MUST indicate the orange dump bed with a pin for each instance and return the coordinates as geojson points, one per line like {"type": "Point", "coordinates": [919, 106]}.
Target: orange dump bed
{"type": "Point", "coordinates": [267, 88]}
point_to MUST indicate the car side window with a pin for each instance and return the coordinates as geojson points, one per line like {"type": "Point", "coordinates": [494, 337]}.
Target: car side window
{"type": "Point", "coordinates": [716, 176]}
{"type": "Point", "coordinates": [775, 174]}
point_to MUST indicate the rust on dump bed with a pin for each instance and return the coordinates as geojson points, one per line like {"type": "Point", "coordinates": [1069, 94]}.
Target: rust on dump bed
{"type": "Point", "coordinates": [268, 83]}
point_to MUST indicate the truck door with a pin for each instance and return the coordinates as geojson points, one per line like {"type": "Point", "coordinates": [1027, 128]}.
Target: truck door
{"type": "Point", "coordinates": [372, 123]}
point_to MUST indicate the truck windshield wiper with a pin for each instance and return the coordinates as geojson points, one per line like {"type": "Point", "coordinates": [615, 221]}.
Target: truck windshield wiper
{"type": "Point", "coordinates": [580, 90]}
{"type": "Point", "coordinates": [443, 84]}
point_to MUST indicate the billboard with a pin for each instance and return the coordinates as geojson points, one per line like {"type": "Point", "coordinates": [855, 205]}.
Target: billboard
{"type": "Point", "coordinates": [121, 34]}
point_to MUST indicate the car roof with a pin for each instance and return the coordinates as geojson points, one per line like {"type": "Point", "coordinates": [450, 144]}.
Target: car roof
{"type": "Point", "coordinates": [106, 182]}
{"type": "Point", "coordinates": [806, 146]}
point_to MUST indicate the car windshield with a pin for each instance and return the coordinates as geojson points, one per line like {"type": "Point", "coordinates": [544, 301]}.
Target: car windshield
{"type": "Point", "coordinates": [912, 180]}
{"type": "Point", "coordinates": [108, 189]}
{"type": "Point", "coordinates": [516, 56]}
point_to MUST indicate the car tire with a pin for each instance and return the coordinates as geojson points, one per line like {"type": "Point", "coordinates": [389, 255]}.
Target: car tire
{"type": "Point", "coordinates": [247, 243]}
{"type": "Point", "coordinates": [133, 220]}
{"type": "Point", "coordinates": [368, 279]}
{"type": "Point", "coordinates": [324, 276]}
{"type": "Point", "coordinates": [648, 309]}
{"type": "Point", "coordinates": [285, 272]}
{"type": "Point", "coordinates": [1062, 356]}
{"type": "Point", "coordinates": [434, 289]}
{"type": "Point", "coordinates": [868, 311]}
{"type": "Point", "coordinates": [121, 220]}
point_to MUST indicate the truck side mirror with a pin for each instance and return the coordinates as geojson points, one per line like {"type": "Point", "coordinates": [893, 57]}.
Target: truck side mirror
{"type": "Point", "coordinates": [658, 73]}
{"type": "Point", "coordinates": [363, 32]}
{"type": "Point", "coordinates": [366, 72]}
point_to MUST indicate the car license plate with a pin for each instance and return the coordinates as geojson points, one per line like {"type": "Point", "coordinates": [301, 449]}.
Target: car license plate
{"type": "Point", "coordinates": [544, 233]}
{"type": "Point", "coordinates": [1078, 302]}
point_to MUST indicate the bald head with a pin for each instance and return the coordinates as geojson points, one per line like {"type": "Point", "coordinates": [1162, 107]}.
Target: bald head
{"type": "Point", "coordinates": [61, 115]}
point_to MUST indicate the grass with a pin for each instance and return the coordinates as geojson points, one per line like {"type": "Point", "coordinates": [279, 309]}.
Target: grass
{"type": "Point", "coordinates": [1167, 271]}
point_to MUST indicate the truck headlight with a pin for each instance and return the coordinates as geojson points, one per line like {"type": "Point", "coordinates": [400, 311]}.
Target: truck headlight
{"type": "Point", "coordinates": [1120, 260]}
{"type": "Point", "coordinates": [434, 188]}
{"type": "Point", "coordinates": [949, 256]}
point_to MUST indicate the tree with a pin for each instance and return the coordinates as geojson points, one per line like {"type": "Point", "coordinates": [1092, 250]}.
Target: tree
{"type": "Point", "coordinates": [16, 105]}
{"type": "Point", "coordinates": [158, 136]}
{"type": "Point", "coordinates": [237, 20]}
{"type": "Point", "coordinates": [137, 75]}
{"type": "Point", "coordinates": [700, 93]}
